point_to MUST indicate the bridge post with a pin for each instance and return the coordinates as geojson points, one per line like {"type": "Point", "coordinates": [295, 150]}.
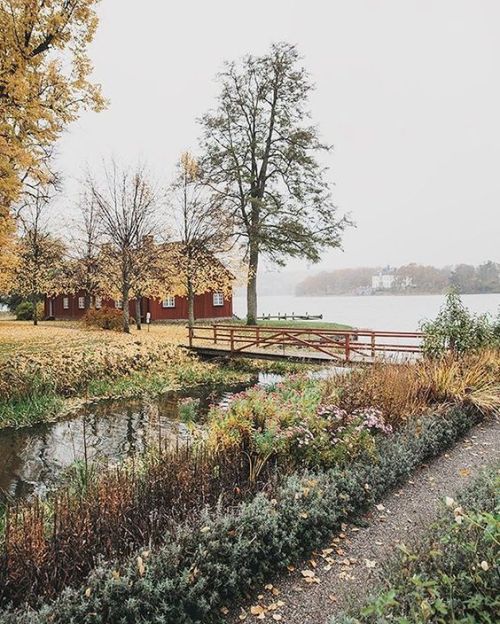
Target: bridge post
{"type": "Point", "coordinates": [373, 344]}
{"type": "Point", "coordinates": [215, 333]}
{"type": "Point", "coordinates": [347, 347]}
{"type": "Point", "coordinates": [190, 336]}
{"type": "Point", "coordinates": [257, 335]}
{"type": "Point", "coordinates": [231, 333]}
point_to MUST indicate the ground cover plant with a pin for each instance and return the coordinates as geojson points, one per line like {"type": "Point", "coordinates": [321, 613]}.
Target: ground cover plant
{"type": "Point", "coordinates": [301, 431]}
{"type": "Point", "coordinates": [452, 575]}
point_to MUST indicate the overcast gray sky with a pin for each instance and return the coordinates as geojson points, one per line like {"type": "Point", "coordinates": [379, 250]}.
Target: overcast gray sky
{"type": "Point", "coordinates": [407, 91]}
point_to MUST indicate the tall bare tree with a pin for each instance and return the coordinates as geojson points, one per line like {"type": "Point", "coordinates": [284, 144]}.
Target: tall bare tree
{"type": "Point", "coordinates": [86, 268]}
{"type": "Point", "coordinates": [127, 205]}
{"type": "Point", "coordinates": [260, 153]}
{"type": "Point", "coordinates": [202, 231]}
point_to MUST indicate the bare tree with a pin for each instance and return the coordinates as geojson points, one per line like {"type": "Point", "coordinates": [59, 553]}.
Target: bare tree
{"type": "Point", "coordinates": [86, 267]}
{"type": "Point", "coordinates": [202, 232]}
{"type": "Point", "coordinates": [126, 204]}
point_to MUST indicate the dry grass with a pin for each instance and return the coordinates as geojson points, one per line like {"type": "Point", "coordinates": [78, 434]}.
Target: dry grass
{"type": "Point", "coordinates": [404, 390]}
{"type": "Point", "coordinates": [23, 337]}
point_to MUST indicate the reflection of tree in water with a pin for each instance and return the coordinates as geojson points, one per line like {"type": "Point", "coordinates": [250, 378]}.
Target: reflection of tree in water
{"type": "Point", "coordinates": [35, 459]}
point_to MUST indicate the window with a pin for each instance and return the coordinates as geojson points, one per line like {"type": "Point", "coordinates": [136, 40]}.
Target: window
{"type": "Point", "coordinates": [218, 299]}
{"type": "Point", "coordinates": [66, 303]}
{"type": "Point", "coordinates": [169, 302]}
{"type": "Point", "coordinates": [119, 304]}
{"type": "Point", "coordinates": [81, 303]}
{"type": "Point", "coordinates": [98, 303]}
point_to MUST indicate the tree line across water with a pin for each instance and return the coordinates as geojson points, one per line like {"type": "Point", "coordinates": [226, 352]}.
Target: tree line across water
{"type": "Point", "coordinates": [407, 279]}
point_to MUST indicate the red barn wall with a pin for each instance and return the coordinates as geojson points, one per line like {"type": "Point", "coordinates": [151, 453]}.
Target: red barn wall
{"type": "Point", "coordinates": [203, 308]}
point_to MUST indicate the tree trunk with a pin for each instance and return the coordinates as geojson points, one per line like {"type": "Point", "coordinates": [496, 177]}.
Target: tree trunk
{"type": "Point", "coordinates": [190, 293]}
{"type": "Point", "coordinates": [34, 302]}
{"type": "Point", "coordinates": [138, 323]}
{"type": "Point", "coordinates": [125, 310]}
{"type": "Point", "coordinates": [253, 263]}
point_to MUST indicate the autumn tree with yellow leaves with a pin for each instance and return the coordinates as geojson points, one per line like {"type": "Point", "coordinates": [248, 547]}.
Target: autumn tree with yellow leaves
{"type": "Point", "coordinates": [40, 257]}
{"type": "Point", "coordinates": [202, 233]}
{"type": "Point", "coordinates": [44, 84]}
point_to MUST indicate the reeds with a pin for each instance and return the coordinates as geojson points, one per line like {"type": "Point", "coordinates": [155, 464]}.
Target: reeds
{"type": "Point", "coordinates": [48, 545]}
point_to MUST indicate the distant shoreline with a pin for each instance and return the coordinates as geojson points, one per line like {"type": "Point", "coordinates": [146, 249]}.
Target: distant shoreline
{"type": "Point", "coordinates": [383, 294]}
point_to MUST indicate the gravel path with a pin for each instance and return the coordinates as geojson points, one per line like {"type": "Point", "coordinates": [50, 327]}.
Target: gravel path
{"type": "Point", "coordinates": [348, 568]}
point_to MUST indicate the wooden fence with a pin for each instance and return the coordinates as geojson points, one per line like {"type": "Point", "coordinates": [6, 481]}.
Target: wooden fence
{"type": "Point", "coordinates": [344, 345]}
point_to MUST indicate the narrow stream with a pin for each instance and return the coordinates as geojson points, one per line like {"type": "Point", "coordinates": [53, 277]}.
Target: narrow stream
{"type": "Point", "coordinates": [33, 460]}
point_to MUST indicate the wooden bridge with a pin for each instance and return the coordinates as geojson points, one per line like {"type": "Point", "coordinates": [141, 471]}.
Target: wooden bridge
{"type": "Point", "coordinates": [304, 344]}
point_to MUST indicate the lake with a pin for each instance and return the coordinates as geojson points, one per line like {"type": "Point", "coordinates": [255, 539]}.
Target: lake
{"type": "Point", "coordinates": [383, 312]}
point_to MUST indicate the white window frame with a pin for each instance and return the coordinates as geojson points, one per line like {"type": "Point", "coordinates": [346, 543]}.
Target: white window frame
{"type": "Point", "coordinates": [218, 299]}
{"type": "Point", "coordinates": [65, 303]}
{"type": "Point", "coordinates": [81, 303]}
{"type": "Point", "coordinates": [98, 303]}
{"type": "Point", "coordinates": [168, 302]}
{"type": "Point", "coordinates": [119, 304]}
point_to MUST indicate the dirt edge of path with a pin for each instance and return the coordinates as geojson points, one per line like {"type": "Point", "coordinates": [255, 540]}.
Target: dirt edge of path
{"type": "Point", "coordinates": [348, 569]}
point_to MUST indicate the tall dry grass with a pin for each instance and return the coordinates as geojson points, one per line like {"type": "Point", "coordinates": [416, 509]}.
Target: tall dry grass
{"type": "Point", "coordinates": [402, 391]}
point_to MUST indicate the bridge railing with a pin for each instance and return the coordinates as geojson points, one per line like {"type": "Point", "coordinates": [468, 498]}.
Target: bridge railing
{"type": "Point", "coordinates": [338, 344]}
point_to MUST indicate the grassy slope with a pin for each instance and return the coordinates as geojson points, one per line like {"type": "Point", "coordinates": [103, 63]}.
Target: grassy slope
{"type": "Point", "coordinates": [18, 337]}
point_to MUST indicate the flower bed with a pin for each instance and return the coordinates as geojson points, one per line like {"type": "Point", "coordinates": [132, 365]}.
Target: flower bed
{"type": "Point", "coordinates": [313, 456]}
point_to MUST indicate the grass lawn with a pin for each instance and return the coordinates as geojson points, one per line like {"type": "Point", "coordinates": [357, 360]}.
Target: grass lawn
{"type": "Point", "coordinates": [24, 337]}
{"type": "Point", "coordinates": [299, 324]}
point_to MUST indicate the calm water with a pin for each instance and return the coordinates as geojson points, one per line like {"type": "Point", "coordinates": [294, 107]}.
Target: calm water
{"type": "Point", "coordinates": [384, 312]}
{"type": "Point", "coordinates": [33, 460]}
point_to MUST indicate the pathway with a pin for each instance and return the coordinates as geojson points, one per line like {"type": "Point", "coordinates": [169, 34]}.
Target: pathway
{"type": "Point", "coordinates": [348, 568]}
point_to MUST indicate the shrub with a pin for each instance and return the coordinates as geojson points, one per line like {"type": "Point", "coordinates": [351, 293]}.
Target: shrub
{"type": "Point", "coordinates": [452, 574]}
{"type": "Point", "coordinates": [105, 318]}
{"type": "Point", "coordinates": [24, 311]}
{"type": "Point", "coordinates": [456, 329]}
{"type": "Point", "coordinates": [209, 562]}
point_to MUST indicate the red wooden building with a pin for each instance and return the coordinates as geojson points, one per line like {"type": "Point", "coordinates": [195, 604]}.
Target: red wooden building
{"type": "Point", "coordinates": [209, 306]}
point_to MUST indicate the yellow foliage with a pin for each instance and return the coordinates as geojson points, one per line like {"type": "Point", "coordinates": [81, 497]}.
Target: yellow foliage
{"type": "Point", "coordinates": [44, 83]}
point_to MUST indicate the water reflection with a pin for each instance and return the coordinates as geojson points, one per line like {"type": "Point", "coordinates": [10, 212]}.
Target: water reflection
{"type": "Point", "coordinates": [33, 460]}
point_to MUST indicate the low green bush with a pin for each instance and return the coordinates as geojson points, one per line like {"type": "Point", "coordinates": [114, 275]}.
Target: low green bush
{"type": "Point", "coordinates": [210, 563]}
{"type": "Point", "coordinates": [24, 311]}
{"type": "Point", "coordinates": [452, 575]}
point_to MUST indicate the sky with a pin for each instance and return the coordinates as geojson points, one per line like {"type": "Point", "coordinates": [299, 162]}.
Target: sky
{"type": "Point", "coordinates": [407, 91]}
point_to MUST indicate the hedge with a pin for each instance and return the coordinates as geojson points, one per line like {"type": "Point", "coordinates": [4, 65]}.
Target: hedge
{"type": "Point", "coordinates": [205, 567]}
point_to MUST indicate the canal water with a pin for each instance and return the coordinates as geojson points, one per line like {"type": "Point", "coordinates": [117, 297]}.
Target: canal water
{"type": "Point", "coordinates": [34, 459]}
